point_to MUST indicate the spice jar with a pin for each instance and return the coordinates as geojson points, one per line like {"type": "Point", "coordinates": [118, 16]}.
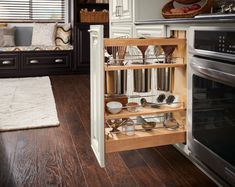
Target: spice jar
{"type": "Point", "coordinates": [129, 128]}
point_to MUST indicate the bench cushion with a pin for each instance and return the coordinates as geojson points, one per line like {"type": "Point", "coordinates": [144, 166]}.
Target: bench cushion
{"type": "Point", "coordinates": [36, 48]}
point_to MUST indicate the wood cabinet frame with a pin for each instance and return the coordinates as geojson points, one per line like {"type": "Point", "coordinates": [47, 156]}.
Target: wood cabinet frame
{"type": "Point", "coordinates": [119, 142]}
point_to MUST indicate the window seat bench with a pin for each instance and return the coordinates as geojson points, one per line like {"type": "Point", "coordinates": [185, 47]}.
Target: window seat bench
{"type": "Point", "coordinates": [24, 59]}
{"type": "Point", "coordinates": [36, 48]}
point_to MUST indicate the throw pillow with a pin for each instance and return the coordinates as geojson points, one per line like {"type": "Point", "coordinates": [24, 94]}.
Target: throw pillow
{"type": "Point", "coordinates": [44, 34]}
{"type": "Point", "coordinates": [7, 37]}
{"type": "Point", "coordinates": [63, 34]}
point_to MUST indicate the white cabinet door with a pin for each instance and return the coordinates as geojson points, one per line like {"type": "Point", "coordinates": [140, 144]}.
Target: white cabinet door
{"type": "Point", "coordinates": [149, 31]}
{"type": "Point", "coordinates": [113, 10]}
{"type": "Point", "coordinates": [97, 92]}
{"type": "Point", "coordinates": [127, 10]}
{"type": "Point", "coordinates": [120, 31]}
{"type": "Point", "coordinates": [120, 10]}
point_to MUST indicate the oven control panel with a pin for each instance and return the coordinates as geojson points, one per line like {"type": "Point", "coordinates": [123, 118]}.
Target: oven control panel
{"type": "Point", "coordinates": [216, 41]}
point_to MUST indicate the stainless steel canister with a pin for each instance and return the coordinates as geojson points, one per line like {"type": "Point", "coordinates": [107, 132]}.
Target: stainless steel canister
{"type": "Point", "coordinates": [120, 82]}
{"type": "Point", "coordinates": [142, 80]}
{"type": "Point", "coordinates": [117, 83]}
{"type": "Point", "coordinates": [164, 79]}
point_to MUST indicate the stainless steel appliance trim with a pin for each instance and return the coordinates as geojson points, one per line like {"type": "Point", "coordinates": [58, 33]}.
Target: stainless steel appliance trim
{"type": "Point", "coordinates": [218, 55]}
{"type": "Point", "coordinates": [214, 70]}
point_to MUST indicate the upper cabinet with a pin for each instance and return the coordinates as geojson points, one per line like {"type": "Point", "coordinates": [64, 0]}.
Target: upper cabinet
{"type": "Point", "coordinates": [121, 10]}
{"type": "Point", "coordinates": [135, 10]}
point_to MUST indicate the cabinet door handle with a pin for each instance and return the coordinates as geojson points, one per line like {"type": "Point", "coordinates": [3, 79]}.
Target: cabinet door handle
{"type": "Point", "coordinates": [33, 61]}
{"type": "Point", "coordinates": [6, 62]}
{"type": "Point", "coordinates": [58, 60]}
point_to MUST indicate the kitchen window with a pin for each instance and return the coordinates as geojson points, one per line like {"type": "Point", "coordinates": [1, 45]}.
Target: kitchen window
{"type": "Point", "coordinates": [32, 10]}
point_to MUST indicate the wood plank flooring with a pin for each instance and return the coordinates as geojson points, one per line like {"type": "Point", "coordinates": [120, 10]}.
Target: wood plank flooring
{"type": "Point", "coordinates": [62, 156]}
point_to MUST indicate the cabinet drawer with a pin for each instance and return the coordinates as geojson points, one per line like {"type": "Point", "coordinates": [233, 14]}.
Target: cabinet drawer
{"type": "Point", "coordinates": [121, 31]}
{"type": "Point", "coordinates": [57, 59]}
{"type": "Point", "coordinates": [150, 31]}
{"type": "Point", "coordinates": [9, 61]}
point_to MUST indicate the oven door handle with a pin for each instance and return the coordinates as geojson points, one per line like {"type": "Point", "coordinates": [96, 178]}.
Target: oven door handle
{"type": "Point", "coordinates": [213, 73]}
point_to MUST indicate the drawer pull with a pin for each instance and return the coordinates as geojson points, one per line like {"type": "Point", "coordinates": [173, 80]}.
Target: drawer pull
{"type": "Point", "coordinates": [145, 34]}
{"type": "Point", "coordinates": [6, 62]}
{"type": "Point", "coordinates": [33, 61]}
{"type": "Point", "coordinates": [59, 60]}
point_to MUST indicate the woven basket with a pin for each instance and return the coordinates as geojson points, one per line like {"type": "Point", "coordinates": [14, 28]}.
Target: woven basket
{"type": "Point", "coordinates": [94, 17]}
{"type": "Point", "coordinates": [187, 1]}
{"type": "Point", "coordinates": [204, 9]}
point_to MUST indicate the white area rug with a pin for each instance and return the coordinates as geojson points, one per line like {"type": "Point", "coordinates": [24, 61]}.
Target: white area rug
{"type": "Point", "coordinates": [27, 103]}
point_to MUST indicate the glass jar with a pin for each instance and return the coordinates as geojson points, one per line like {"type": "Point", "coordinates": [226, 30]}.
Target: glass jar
{"type": "Point", "coordinates": [129, 128]}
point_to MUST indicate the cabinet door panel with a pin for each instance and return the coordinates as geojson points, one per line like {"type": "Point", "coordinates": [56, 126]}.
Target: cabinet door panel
{"type": "Point", "coordinates": [120, 10]}
{"type": "Point", "coordinates": [113, 11]}
{"type": "Point", "coordinates": [97, 92]}
{"type": "Point", "coordinates": [127, 10]}
{"type": "Point", "coordinates": [84, 45]}
{"type": "Point", "coordinates": [119, 31]}
{"type": "Point", "coordinates": [83, 55]}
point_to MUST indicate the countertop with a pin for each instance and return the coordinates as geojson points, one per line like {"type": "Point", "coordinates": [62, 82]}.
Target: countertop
{"type": "Point", "coordinates": [189, 20]}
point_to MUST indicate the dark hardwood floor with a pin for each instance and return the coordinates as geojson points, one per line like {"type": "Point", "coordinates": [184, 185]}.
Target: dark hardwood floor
{"type": "Point", "coordinates": [62, 156]}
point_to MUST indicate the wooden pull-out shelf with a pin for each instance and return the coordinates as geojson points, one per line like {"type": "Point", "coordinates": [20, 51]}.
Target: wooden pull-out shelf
{"type": "Point", "coordinates": [142, 139]}
{"type": "Point", "coordinates": [102, 76]}
{"type": "Point", "coordinates": [144, 111]}
{"type": "Point", "coordinates": [158, 136]}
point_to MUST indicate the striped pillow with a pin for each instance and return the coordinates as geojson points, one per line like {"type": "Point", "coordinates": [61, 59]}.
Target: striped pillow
{"type": "Point", "coordinates": [63, 34]}
{"type": "Point", "coordinates": [3, 24]}
{"type": "Point", "coordinates": [7, 37]}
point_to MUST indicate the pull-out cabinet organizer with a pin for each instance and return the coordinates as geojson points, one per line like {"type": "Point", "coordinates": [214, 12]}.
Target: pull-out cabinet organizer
{"type": "Point", "coordinates": [102, 73]}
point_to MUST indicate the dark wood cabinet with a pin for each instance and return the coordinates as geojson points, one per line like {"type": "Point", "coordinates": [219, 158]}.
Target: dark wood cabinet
{"type": "Point", "coordinates": [9, 64]}
{"type": "Point", "coordinates": [44, 60]}
{"type": "Point", "coordinates": [83, 54]}
{"type": "Point", "coordinates": [83, 48]}
{"type": "Point", "coordinates": [82, 36]}
{"type": "Point", "coordinates": [35, 63]}
{"type": "Point", "coordinates": [42, 63]}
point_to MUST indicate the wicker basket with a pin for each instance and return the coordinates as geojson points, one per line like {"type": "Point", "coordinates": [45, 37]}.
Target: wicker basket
{"type": "Point", "coordinates": [187, 1]}
{"type": "Point", "coordinates": [94, 17]}
{"type": "Point", "coordinates": [204, 9]}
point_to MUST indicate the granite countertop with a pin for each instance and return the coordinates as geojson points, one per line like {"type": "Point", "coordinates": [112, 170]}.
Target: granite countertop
{"type": "Point", "coordinates": [209, 19]}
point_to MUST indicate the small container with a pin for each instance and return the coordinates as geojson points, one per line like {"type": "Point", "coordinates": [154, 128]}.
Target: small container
{"type": "Point", "coordinates": [148, 126]}
{"type": "Point", "coordinates": [129, 128]}
{"type": "Point", "coordinates": [133, 107]}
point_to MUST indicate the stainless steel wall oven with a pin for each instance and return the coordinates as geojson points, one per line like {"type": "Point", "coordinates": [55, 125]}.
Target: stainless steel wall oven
{"type": "Point", "coordinates": [211, 101]}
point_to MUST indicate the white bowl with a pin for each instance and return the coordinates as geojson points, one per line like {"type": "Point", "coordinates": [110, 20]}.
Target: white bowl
{"type": "Point", "coordinates": [114, 107]}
